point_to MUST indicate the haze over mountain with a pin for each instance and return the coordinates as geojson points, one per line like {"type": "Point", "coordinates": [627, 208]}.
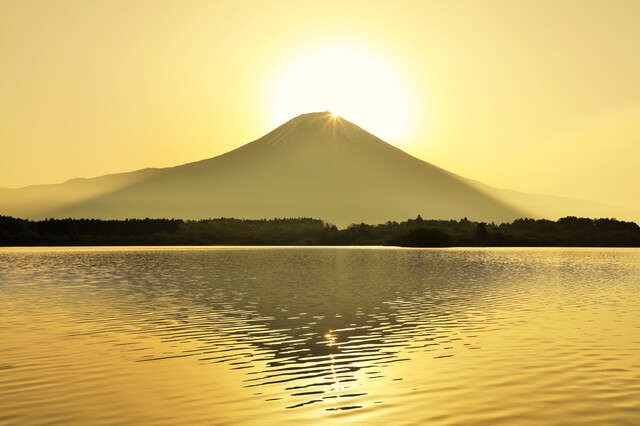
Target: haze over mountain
{"type": "Point", "coordinates": [315, 165]}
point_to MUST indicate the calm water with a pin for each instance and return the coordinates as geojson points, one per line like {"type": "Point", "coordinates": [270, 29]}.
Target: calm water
{"type": "Point", "coordinates": [296, 335]}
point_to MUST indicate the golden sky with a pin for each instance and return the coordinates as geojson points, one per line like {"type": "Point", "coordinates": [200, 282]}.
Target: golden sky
{"type": "Point", "coordinates": [539, 96]}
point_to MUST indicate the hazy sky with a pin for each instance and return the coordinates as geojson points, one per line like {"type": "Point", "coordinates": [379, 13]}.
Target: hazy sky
{"type": "Point", "coordinates": [540, 96]}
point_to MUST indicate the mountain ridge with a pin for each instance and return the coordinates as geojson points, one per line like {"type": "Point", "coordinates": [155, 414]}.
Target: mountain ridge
{"type": "Point", "coordinates": [314, 165]}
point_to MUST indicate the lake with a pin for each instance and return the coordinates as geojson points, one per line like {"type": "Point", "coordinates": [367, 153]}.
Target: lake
{"type": "Point", "coordinates": [275, 335]}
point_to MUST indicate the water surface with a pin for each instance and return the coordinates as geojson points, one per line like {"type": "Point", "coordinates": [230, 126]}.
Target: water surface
{"type": "Point", "coordinates": [299, 335]}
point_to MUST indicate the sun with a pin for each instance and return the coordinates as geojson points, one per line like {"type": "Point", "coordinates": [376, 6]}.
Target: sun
{"type": "Point", "coordinates": [350, 82]}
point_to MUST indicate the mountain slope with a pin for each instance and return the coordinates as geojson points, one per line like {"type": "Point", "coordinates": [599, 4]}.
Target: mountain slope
{"type": "Point", "coordinates": [554, 207]}
{"type": "Point", "coordinates": [39, 201]}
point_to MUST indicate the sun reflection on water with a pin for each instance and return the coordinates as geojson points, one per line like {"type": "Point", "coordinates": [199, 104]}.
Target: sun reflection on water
{"type": "Point", "coordinates": [397, 339]}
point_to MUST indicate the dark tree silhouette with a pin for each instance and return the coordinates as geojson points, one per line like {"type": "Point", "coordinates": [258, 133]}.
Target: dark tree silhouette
{"type": "Point", "coordinates": [568, 231]}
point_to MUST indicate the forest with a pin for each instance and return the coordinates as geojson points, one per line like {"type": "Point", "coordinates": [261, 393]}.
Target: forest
{"type": "Point", "coordinates": [568, 231]}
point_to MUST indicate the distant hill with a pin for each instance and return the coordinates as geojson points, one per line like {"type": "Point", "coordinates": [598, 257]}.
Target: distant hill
{"type": "Point", "coordinates": [39, 201]}
{"type": "Point", "coordinates": [554, 207]}
{"type": "Point", "coordinates": [315, 165]}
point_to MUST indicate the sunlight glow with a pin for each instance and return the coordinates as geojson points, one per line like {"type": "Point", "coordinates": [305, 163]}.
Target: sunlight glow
{"type": "Point", "coordinates": [348, 81]}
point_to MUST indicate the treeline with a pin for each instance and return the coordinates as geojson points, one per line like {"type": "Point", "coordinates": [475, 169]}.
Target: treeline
{"type": "Point", "coordinates": [568, 231]}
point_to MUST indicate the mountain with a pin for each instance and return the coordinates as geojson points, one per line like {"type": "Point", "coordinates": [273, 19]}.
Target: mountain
{"type": "Point", "coordinates": [314, 165]}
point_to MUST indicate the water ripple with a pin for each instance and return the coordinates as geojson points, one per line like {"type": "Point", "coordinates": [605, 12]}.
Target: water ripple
{"type": "Point", "coordinates": [438, 336]}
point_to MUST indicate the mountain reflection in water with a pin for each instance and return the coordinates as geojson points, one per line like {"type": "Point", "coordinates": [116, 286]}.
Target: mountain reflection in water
{"type": "Point", "coordinates": [443, 335]}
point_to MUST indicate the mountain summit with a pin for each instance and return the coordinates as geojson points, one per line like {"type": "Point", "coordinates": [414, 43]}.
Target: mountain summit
{"type": "Point", "coordinates": [315, 165]}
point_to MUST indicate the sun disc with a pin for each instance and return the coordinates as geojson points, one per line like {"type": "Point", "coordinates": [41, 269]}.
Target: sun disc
{"type": "Point", "coordinates": [349, 82]}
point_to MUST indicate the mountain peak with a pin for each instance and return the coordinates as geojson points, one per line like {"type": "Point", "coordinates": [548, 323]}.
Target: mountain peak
{"type": "Point", "coordinates": [320, 117]}
{"type": "Point", "coordinates": [313, 115]}
{"type": "Point", "coordinates": [318, 127]}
